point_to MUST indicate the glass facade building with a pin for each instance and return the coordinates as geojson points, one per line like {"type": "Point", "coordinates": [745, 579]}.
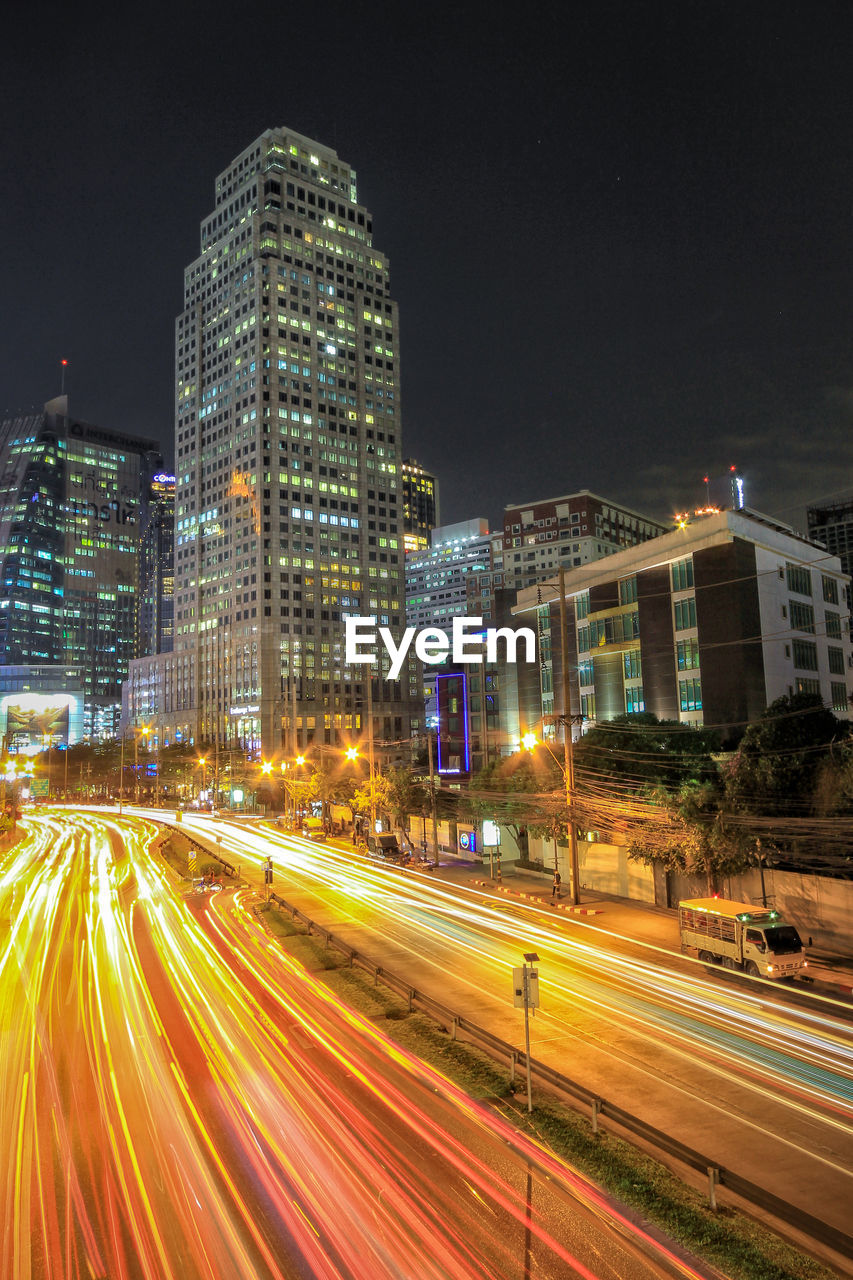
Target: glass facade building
{"type": "Point", "coordinates": [69, 521]}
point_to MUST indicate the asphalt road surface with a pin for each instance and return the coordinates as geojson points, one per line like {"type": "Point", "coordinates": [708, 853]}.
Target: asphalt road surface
{"type": "Point", "coordinates": [760, 1082]}
{"type": "Point", "coordinates": [180, 1099]}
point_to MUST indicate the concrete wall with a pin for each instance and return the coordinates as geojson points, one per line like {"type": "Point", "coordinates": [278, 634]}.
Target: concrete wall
{"type": "Point", "coordinates": [821, 908]}
{"type": "Point", "coordinates": [603, 867]}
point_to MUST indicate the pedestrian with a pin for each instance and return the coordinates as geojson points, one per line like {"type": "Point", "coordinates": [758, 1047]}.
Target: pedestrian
{"type": "Point", "coordinates": [555, 887]}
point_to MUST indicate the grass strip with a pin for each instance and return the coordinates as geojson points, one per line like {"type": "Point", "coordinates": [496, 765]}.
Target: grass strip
{"type": "Point", "coordinates": [741, 1247]}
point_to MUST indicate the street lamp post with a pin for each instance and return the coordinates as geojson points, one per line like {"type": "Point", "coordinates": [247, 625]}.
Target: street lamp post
{"type": "Point", "coordinates": [121, 772]}
{"type": "Point", "coordinates": [145, 731]}
{"type": "Point", "coordinates": [568, 745]}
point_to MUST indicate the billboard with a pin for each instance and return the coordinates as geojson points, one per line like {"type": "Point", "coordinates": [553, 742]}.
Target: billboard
{"type": "Point", "coordinates": [32, 721]}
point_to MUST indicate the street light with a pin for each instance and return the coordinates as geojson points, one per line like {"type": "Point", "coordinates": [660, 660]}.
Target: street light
{"type": "Point", "coordinates": [145, 732]}
{"type": "Point", "coordinates": [203, 762]}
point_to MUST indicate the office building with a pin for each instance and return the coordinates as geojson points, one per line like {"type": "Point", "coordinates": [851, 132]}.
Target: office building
{"type": "Point", "coordinates": [571, 530]}
{"type": "Point", "coordinates": [420, 505]}
{"type": "Point", "coordinates": [287, 466]}
{"type": "Point", "coordinates": [831, 524]}
{"type": "Point", "coordinates": [155, 618]}
{"type": "Point", "coordinates": [707, 624]}
{"type": "Point", "coordinates": [437, 578]}
{"type": "Point", "coordinates": [69, 523]}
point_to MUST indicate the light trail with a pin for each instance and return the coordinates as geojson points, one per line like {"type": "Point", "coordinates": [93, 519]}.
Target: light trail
{"type": "Point", "coordinates": [179, 1099]}
{"type": "Point", "coordinates": [772, 1081]}
{"type": "Point", "coordinates": [814, 1051]}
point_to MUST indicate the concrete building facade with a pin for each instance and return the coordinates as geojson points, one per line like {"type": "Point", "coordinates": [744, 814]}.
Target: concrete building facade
{"type": "Point", "coordinates": [831, 524]}
{"type": "Point", "coordinates": [571, 530]}
{"type": "Point", "coordinates": [707, 624]}
{"type": "Point", "coordinates": [287, 465]}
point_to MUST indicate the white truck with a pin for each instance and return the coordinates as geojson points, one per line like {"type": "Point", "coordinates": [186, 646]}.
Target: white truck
{"type": "Point", "coordinates": [736, 935]}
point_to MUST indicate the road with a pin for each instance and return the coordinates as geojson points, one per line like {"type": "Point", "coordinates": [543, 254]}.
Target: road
{"type": "Point", "coordinates": [180, 1099]}
{"type": "Point", "coordinates": [761, 1083]}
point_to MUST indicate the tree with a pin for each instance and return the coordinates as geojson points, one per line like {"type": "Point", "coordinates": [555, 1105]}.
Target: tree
{"type": "Point", "coordinates": [403, 794]}
{"type": "Point", "coordinates": [525, 792]}
{"type": "Point", "coordinates": [781, 757]}
{"type": "Point", "coordinates": [639, 750]}
{"type": "Point", "coordinates": [689, 831]}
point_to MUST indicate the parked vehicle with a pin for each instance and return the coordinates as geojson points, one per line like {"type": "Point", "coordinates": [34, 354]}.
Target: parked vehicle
{"type": "Point", "coordinates": [736, 935]}
{"type": "Point", "coordinates": [384, 844]}
{"type": "Point", "coordinates": [312, 829]}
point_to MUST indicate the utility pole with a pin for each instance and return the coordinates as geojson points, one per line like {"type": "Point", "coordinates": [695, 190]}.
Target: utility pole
{"type": "Point", "coordinates": [370, 752]}
{"type": "Point", "coordinates": [433, 799]}
{"type": "Point", "coordinates": [568, 745]}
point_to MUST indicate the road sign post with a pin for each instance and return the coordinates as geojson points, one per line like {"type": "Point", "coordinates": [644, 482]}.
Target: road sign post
{"type": "Point", "coordinates": [525, 995]}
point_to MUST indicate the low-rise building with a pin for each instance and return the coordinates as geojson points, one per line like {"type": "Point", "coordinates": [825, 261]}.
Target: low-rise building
{"type": "Point", "coordinates": [707, 624]}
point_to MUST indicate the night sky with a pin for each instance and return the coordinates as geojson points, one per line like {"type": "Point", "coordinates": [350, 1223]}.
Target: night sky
{"type": "Point", "coordinates": [620, 233]}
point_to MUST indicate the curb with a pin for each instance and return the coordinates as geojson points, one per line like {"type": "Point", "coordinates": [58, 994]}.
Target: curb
{"type": "Point", "coordinates": [534, 897]}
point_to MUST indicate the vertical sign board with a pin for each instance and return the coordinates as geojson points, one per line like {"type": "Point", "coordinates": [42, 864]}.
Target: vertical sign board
{"type": "Point", "coordinates": [454, 745]}
{"type": "Point", "coordinates": [518, 988]}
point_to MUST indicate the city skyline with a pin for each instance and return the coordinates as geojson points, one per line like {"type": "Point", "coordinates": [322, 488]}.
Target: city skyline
{"type": "Point", "coordinates": [643, 260]}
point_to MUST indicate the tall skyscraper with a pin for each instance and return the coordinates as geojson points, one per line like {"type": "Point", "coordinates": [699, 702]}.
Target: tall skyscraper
{"type": "Point", "coordinates": [831, 524]}
{"type": "Point", "coordinates": [155, 616]}
{"type": "Point", "coordinates": [420, 505]}
{"type": "Point", "coordinates": [287, 462]}
{"type": "Point", "coordinates": [437, 579]}
{"type": "Point", "coordinates": [69, 524]}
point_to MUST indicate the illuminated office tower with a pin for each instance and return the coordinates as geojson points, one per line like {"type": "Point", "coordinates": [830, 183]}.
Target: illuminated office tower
{"type": "Point", "coordinates": [155, 620]}
{"type": "Point", "coordinates": [420, 505]}
{"type": "Point", "coordinates": [69, 527]}
{"type": "Point", "coordinates": [287, 464]}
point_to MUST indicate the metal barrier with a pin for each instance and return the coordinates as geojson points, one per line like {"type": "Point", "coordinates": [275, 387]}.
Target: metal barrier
{"type": "Point", "coordinates": [717, 1174]}
{"type": "Point", "coordinates": [208, 853]}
